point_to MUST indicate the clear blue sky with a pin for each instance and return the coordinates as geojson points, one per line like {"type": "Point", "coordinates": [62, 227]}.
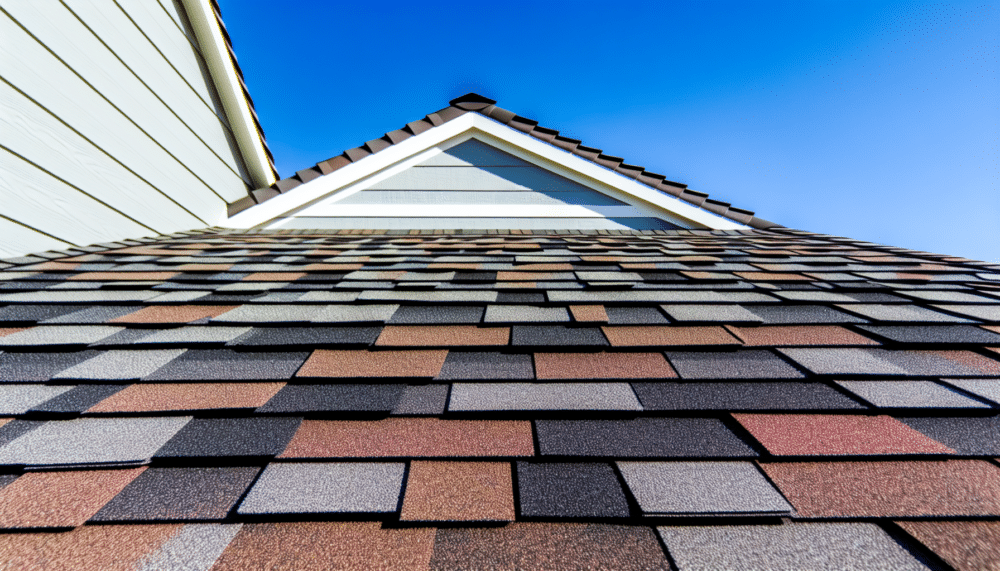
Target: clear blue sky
{"type": "Point", "coordinates": [877, 120]}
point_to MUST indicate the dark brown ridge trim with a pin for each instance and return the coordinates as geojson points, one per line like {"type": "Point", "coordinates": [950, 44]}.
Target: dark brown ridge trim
{"type": "Point", "coordinates": [474, 103]}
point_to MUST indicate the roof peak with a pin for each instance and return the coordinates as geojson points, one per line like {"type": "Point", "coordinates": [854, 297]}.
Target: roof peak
{"type": "Point", "coordinates": [472, 102]}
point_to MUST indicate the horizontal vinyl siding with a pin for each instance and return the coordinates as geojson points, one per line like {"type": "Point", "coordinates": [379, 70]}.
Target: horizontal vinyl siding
{"type": "Point", "coordinates": [18, 239]}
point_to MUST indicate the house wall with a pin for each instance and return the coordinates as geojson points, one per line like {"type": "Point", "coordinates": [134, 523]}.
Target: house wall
{"type": "Point", "coordinates": [110, 127]}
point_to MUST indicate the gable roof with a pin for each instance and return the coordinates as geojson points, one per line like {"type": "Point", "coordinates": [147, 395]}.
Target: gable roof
{"type": "Point", "coordinates": [476, 104]}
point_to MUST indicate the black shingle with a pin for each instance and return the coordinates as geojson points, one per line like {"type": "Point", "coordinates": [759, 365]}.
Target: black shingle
{"type": "Point", "coordinates": [39, 366]}
{"type": "Point", "coordinates": [224, 364]}
{"type": "Point", "coordinates": [979, 436]}
{"type": "Point", "coordinates": [741, 396]}
{"type": "Point", "coordinates": [513, 297]}
{"type": "Point", "coordinates": [556, 335]}
{"type": "Point", "coordinates": [32, 313]}
{"type": "Point", "coordinates": [222, 437]}
{"type": "Point", "coordinates": [570, 490]}
{"type": "Point", "coordinates": [435, 314]}
{"type": "Point", "coordinates": [334, 397]}
{"type": "Point", "coordinates": [461, 365]}
{"type": "Point", "coordinates": [309, 336]}
{"type": "Point", "coordinates": [634, 315]}
{"type": "Point", "coordinates": [640, 438]}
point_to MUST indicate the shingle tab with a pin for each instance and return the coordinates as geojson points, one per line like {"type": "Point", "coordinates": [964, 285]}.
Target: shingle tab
{"type": "Point", "coordinates": [461, 365]}
{"type": "Point", "coordinates": [667, 336]}
{"type": "Point", "coordinates": [226, 365]}
{"type": "Point", "coordinates": [19, 399]}
{"type": "Point", "coordinates": [909, 394]}
{"type": "Point", "coordinates": [965, 545]}
{"type": "Point", "coordinates": [561, 489]}
{"type": "Point", "coordinates": [437, 314]}
{"type": "Point", "coordinates": [308, 336]}
{"type": "Point", "coordinates": [328, 487]}
{"type": "Point", "coordinates": [52, 335]}
{"type": "Point", "coordinates": [750, 364]}
{"type": "Point", "coordinates": [951, 334]}
{"type": "Point", "coordinates": [710, 313]}
{"type": "Point", "coordinates": [640, 438]}
{"type": "Point", "coordinates": [524, 313]}
{"type": "Point", "coordinates": [229, 437]}
{"type": "Point", "coordinates": [556, 335]}
{"type": "Point", "coordinates": [60, 499]}
{"type": "Point", "coordinates": [755, 395]}
{"type": "Point", "coordinates": [701, 487]}
{"type": "Point", "coordinates": [422, 400]}
{"type": "Point", "coordinates": [348, 364]}
{"type": "Point", "coordinates": [160, 397]}
{"type": "Point", "coordinates": [164, 494]}
{"type": "Point", "coordinates": [458, 491]}
{"type": "Point", "coordinates": [28, 367]}
{"type": "Point", "coordinates": [974, 436]}
{"type": "Point", "coordinates": [985, 388]}
{"type": "Point", "coordinates": [466, 397]}
{"type": "Point", "coordinates": [334, 397]}
{"type": "Point", "coordinates": [602, 366]}
{"type": "Point", "coordinates": [121, 365]}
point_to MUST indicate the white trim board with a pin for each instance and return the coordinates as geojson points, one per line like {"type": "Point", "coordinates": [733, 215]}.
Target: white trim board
{"type": "Point", "coordinates": [417, 149]}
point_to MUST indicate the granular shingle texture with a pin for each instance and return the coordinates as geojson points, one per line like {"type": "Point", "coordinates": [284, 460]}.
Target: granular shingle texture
{"type": "Point", "coordinates": [60, 499]}
{"type": "Point", "coordinates": [965, 545]}
{"type": "Point", "coordinates": [497, 376]}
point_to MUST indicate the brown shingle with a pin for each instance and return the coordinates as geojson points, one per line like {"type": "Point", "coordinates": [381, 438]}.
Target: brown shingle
{"type": "Point", "coordinates": [965, 545]}
{"type": "Point", "coordinates": [86, 548]}
{"type": "Point", "coordinates": [319, 546]}
{"type": "Point", "coordinates": [458, 491]}
{"type": "Point", "coordinates": [188, 396]}
{"type": "Point", "coordinates": [60, 499]}
{"type": "Point", "coordinates": [330, 363]}
{"type": "Point", "coordinates": [889, 489]}
{"type": "Point", "coordinates": [274, 276]}
{"type": "Point", "coordinates": [589, 313]}
{"type": "Point", "coordinates": [826, 434]}
{"type": "Point", "coordinates": [414, 437]}
{"type": "Point", "coordinates": [667, 335]}
{"type": "Point", "coordinates": [442, 335]}
{"type": "Point", "coordinates": [173, 313]}
{"type": "Point", "coordinates": [603, 366]}
{"type": "Point", "coordinates": [795, 335]}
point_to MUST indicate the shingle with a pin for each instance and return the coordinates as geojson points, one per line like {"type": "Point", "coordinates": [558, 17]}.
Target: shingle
{"type": "Point", "coordinates": [556, 335]}
{"type": "Point", "coordinates": [354, 364]}
{"type": "Point", "coordinates": [179, 296]}
{"type": "Point", "coordinates": [909, 394]}
{"type": "Point", "coordinates": [334, 397]}
{"type": "Point", "coordinates": [667, 335]}
{"type": "Point", "coordinates": [701, 488]}
{"type": "Point", "coordinates": [174, 313]}
{"type": "Point", "coordinates": [756, 395]}
{"type": "Point", "coordinates": [321, 546]}
{"type": "Point", "coordinates": [986, 388]}
{"type": "Point", "coordinates": [710, 313]}
{"type": "Point", "coordinates": [49, 335]}
{"type": "Point", "coordinates": [549, 546]}
{"type": "Point", "coordinates": [602, 366]}
{"type": "Point", "coordinates": [965, 545]}
{"type": "Point", "coordinates": [787, 547]}
{"type": "Point", "coordinates": [19, 399]}
{"type": "Point", "coordinates": [793, 335]}
{"type": "Point", "coordinates": [640, 438]}
{"type": "Point", "coordinates": [35, 313]}
{"type": "Point", "coordinates": [223, 364]}
{"type": "Point", "coordinates": [411, 437]}
{"type": "Point", "coordinates": [947, 296]}
{"type": "Point", "coordinates": [988, 313]}
{"type": "Point", "coordinates": [467, 397]}
{"type": "Point", "coordinates": [457, 296]}
{"type": "Point", "coordinates": [751, 364]}
{"type": "Point", "coordinates": [107, 548]}
{"type": "Point", "coordinates": [635, 316]}
{"type": "Point", "coordinates": [821, 296]}
{"type": "Point", "coordinates": [934, 333]}
{"type": "Point", "coordinates": [442, 335]}
{"type": "Point", "coordinates": [92, 441]}
{"type": "Point", "coordinates": [308, 336]}
{"type": "Point", "coordinates": [436, 314]}
{"type": "Point", "coordinates": [160, 397]}
{"type": "Point", "coordinates": [802, 314]}
{"type": "Point", "coordinates": [227, 437]}
{"type": "Point", "coordinates": [121, 365]}
{"type": "Point", "coordinates": [843, 361]}
{"type": "Point", "coordinates": [565, 490]}
{"type": "Point", "coordinates": [77, 399]}
{"type": "Point", "coordinates": [96, 314]}
{"type": "Point", "coordinates": [334, 487]}
{"type": "Point", "coordinates": [11, 429]}
{"type": "Point", "coordinates": [589, 313]}
{"type": "Point", "coordinates": [911, 313]}
{"type": "Point", "coordinates": [819, 434]}
{"type": "Point", "coordinates": [26, 367]}
{"type": "Point", "coordinates": [60, 499]}
{"type": "Point", "coordinates": [525, 313]}
{"type": "Point", "coordinates": [515, 297]}
{"type": "Point", "coordinates": [194, 547]}
{"type": "Point", "coordinates": [942, 363]}
{"type": "Point", "coordinates": [278, 313]}
{"type": "Point", "coordinates": [164, 494]}
{"type": "Point", "coordinates": [355, 313]}
{"type": "Point", "coordinates": [329, 296]}
{"type": "Point", "coordinates": [970, 435]}
{"type": "Point", "coordinates": [484, 366]}
{"type": "Point", "coordinates": [422, 400]}
{"type": "Point", "coordinates": [458, 491]}
{"type": "Point", "coordinates": [84, 296]}
{"type": "Point", "coordinates": [889, 489]}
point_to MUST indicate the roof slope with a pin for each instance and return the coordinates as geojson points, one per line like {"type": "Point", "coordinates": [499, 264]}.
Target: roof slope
{"type": "Point", "coordinates": [409, 400]}
{"type": "Point", "coordinates": [473, 103]}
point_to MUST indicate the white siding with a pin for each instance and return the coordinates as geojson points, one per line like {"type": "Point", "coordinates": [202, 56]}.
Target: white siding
{"type": "Point", "coordinates": [112, 126]}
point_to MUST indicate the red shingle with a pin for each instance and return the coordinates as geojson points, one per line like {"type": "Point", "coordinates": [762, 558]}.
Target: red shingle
{"type": "Point", "coordinates": [188, 396]}
{"type": "Point", "coordinates": [458, 491]}
{"type": "Point", "coordinates": [87, 548]}
{"type": "Point", "coordinates": [667, 335]}
{"type": "Point", "coordinates": [824, 434]}
{"type": "Point", "coordinates": [330, 363]}
{"type": "Point", "coordinates": [442, 335]}
{"type": "Point", "coordinates": [603, 366]}
{"type": "Point", "coordinates": [60, 499]}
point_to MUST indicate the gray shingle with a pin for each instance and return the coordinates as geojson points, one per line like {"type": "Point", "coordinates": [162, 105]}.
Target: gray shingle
{"type": "Point", "coordinates": [457, 296]}
{"type": "Point", "coordinates": [934, 333]}
{"type": "Point", "coordinates": [92, 441]}
{"type": "Point", "coordinates": [84, 296]}
{"type": "Point", "coordinates": [355, 313]}
{"type": "Point", "coordinates": [227, 437]}
{"type": "Point", "coordinates": [334, 397]}
{"type": "Point", "coordinates": [309, 336]}
{"type": "Point", "coordinates": [194, 335]}
{"type": "Point", "coordinates": [97, 314]}
{"type": "Point", "coordinates": [164, 494]}
{"type": "Point", "coordinates": [462, 365]}
{"type": "Point", "coordinates": [711, 313]}
{"type": "Point", "coordinates": [640, 438]}
{"type": "Point", "coordinates": [844, 361]}
{"type": "Point", "coordinates": [946, 296]}
{"type": "Point", "coordinates": [422, 400]}
{"type": "Point", "coordinates": [524, 313]}
{"type": "Point", "coordinates": [270, 314]}
{"type": "Point", "coordinates": [224, 364]}
{"type": "Point", "coordinates": [330, 296]}
{"type": "Point", "coordinates": [34, 313]}
{"type": "Point", "coordinates": [974, 435]}
{"type": "Point", "coordinates": [634, 316]}
{"type": "Point", "coordinates": [986, 388]}
{"type": "Point", "coordinates": [911, 313]}
{"type": "Point", "coordinates": [542, 396]}
{"type": "Point", "coordinates": [78, 399]}
{"type": "Point", "coordinates": [19, 399]}
{"type": "Point", "coordinates": [755, 395]}
{"type": "Point", "coordinates": [179, 297]}
{"type": "Point", "coordinates": [787, 547]}
{"type": "Point", "coordinates": [909, 394]}
{"type": "Point", "coordinates": [802, 314]}
{"type": "Point", "coordinates": [701, 487]}
{"type": "Point", "coordinates": [195, 547]}
{"type": "Point", "coordinates": [747, 364]}
{"type": "Point", "coordinates": [121, 365]}
{"type": "Point", "coordinates": [16, 428]}
{"type": "Point", "coordinates": [985, 312]}
{"type": "Point", "coordinates": [570, 490]}
{"type": "Point", "coordinates": [556, 335]}
{"type": "Point", "coordinates": [659, 296]}
{"type": "Point", "coordinates": [437, 314]}
{"type": "Point", "coordinates": [48, 335]}
{"type": "Point", "coordinates": [821, 296]}
{"type": "Point", "coordinates": [325, 488]}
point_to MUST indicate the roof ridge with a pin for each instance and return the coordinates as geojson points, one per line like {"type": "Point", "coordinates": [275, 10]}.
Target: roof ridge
{"type": "Point", "coordinates": [475, 103]}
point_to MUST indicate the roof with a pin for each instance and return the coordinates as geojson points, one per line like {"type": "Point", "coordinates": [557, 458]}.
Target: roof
{"type": "Point", "coordinates": [504, 400]}
{"type": "Point", "coordinates": [473, 103]}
